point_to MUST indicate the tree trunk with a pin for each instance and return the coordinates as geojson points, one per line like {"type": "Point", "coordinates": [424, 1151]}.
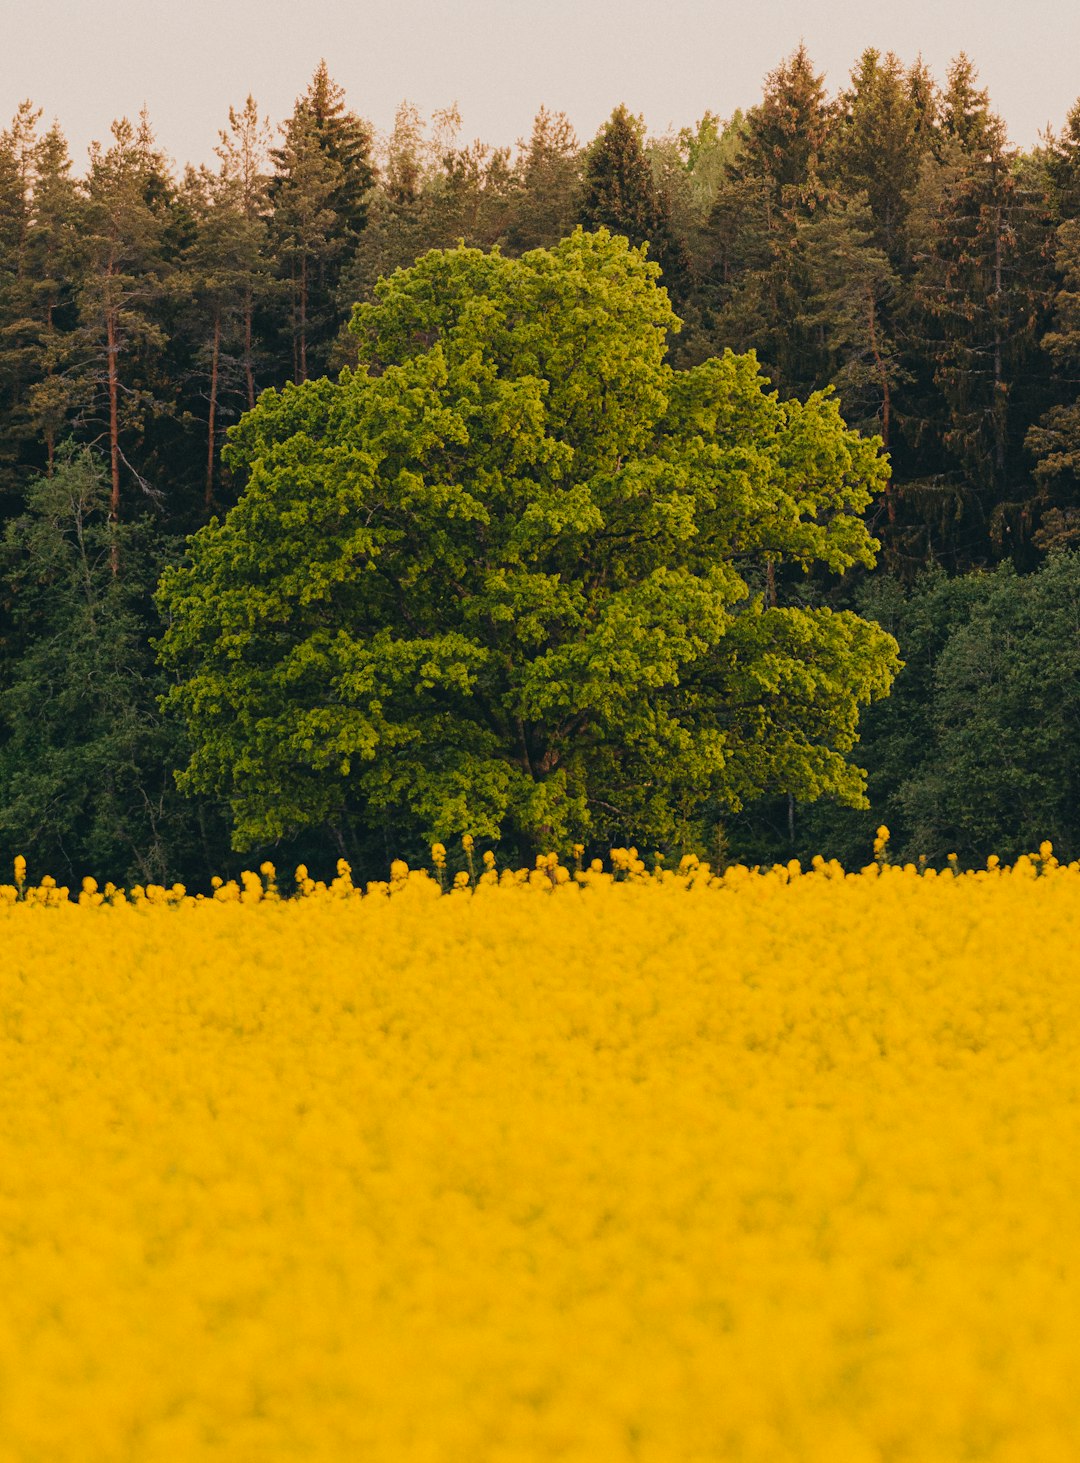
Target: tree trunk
{"type": "Point", "coordinates": [303, 318]}
{"type": "Point", "coordinates": [114, 433]}
{"type": "Point", "coordinates": [886, 397]}
{"type": "Point", "coordinates": [249, 370]}
{"type": "Point", "coordinates": [214, 355]}
{"type": "Point", "coordinates": [999, 388]}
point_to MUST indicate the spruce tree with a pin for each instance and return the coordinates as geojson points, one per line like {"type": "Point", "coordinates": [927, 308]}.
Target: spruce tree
{"type": "Point", "coordinates": [787, 134]}
{"type": "Point", "coordinates": [320, 195]}
{"type": "Point", "coordinates": [877, 145]}
{"type": "Point", "coordinates": [347, 139]}
{"type": "Point", "coordinates": [309, 238]}
{"type": "Point", "coordinates": [620, 194]}
{"type": "Point", "coordinates": [981, 233]}
{"type": "Point", "coordinates": [853, 286]}
{"type": "Point", "coordinates": [756, 289]}
{"type": "Point", "coordinates": [549, 179]}
{"type": "Point", "coordinates": [967, 123]}
{"type": "Point", "coordinates": [1054, 441]}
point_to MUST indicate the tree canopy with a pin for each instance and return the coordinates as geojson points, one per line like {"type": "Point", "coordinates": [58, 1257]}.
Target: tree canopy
{"type": "Point", "coordinates": [506, 576]}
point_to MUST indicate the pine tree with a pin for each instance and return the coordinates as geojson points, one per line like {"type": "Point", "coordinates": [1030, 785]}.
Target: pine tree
{"type": "Point", "coordinates": [18, 327]}
{"type": "Point", "coordinates": [128, 193]}
{"type": "Point", "coordinates": [56, 254]}
{"type": "Point", "coordinates": [408, 213]}
{"type": "Point", "coordinates": [226, 275]}
{"type": "Point", "coordinates": [405, 167]}
{"type": "Point", "coordinates": [243, 188]}
{"type": "Point", "coordinates": [473, 198]}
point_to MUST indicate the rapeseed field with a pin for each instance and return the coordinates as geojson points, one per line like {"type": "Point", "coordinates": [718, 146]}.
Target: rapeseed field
{"type": "Point", "coordinates": [594, 1167]}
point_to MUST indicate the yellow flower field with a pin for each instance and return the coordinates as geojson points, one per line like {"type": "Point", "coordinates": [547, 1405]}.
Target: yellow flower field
{"type": "Point", "coordinates": [768, 1167]}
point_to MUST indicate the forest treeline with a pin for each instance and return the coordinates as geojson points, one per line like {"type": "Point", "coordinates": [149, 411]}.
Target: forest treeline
{"type": "Point", "coordinates": [886, 241]}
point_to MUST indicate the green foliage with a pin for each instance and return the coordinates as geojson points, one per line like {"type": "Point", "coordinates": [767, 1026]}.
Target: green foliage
{"type": "Point", "coordinates": [757, 287]}
{"type": "Point", "coordinates": [85, 784]}
{"type": "Point", "coordinates": [976, 750]}
{"type": "Point", "coordinates": [499, 578]}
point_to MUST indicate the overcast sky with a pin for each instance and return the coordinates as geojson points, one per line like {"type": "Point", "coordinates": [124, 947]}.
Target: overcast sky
{"type": "Point", "coordinates": [87, 61]}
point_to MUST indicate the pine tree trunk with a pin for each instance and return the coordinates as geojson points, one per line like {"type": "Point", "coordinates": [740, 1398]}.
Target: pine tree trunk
{"type": "Point", "coordinates": [50, 433]}
{"type": "Point", "coordinates": [886, 397]}
{"type": "Point", "coordinates": [249, 370]}
{"type": "Point", "coordinates": [214, 355]}
{"type": "Point", "coordinates": [999, 389]}
{"type": "Point", "coordinates": [114, 433]}
{"type": "Point", "coordinates": [295, 326]}
{"type": "Point", "coordinates": [303, 318]}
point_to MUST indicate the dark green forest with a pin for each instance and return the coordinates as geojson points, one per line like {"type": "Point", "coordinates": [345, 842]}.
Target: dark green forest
{"type": "Point", "coordinates": [886, 242]}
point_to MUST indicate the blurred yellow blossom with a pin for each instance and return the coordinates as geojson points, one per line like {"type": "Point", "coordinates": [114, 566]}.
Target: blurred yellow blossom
{"type": "Point", "coordinates": [596, 1166]}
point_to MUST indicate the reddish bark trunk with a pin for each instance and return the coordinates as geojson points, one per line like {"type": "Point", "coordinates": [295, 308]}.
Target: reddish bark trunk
{"type": "Point", "coordinates": [303, 319]}
{"type": "Point", "coordinates": [111, 349]}
{"type": "Point", "coordinates": [886, 397]}
{"type": "Point", "coordinates": [249, 370]}
{"type": "Point", "coordinates": [214, 355]}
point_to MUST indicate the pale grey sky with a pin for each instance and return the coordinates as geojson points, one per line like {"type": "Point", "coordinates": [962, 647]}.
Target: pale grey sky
{"type": "Point", "coordinates": [87, 61]}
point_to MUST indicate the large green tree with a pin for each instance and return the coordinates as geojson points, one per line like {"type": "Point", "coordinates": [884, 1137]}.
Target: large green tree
{"type": "Point", "coordinates": [500, 578]}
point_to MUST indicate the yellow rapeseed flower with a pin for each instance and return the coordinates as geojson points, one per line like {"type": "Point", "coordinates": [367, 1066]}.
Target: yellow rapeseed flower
{"type": "Point", "coordinates": [769, 1164]}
